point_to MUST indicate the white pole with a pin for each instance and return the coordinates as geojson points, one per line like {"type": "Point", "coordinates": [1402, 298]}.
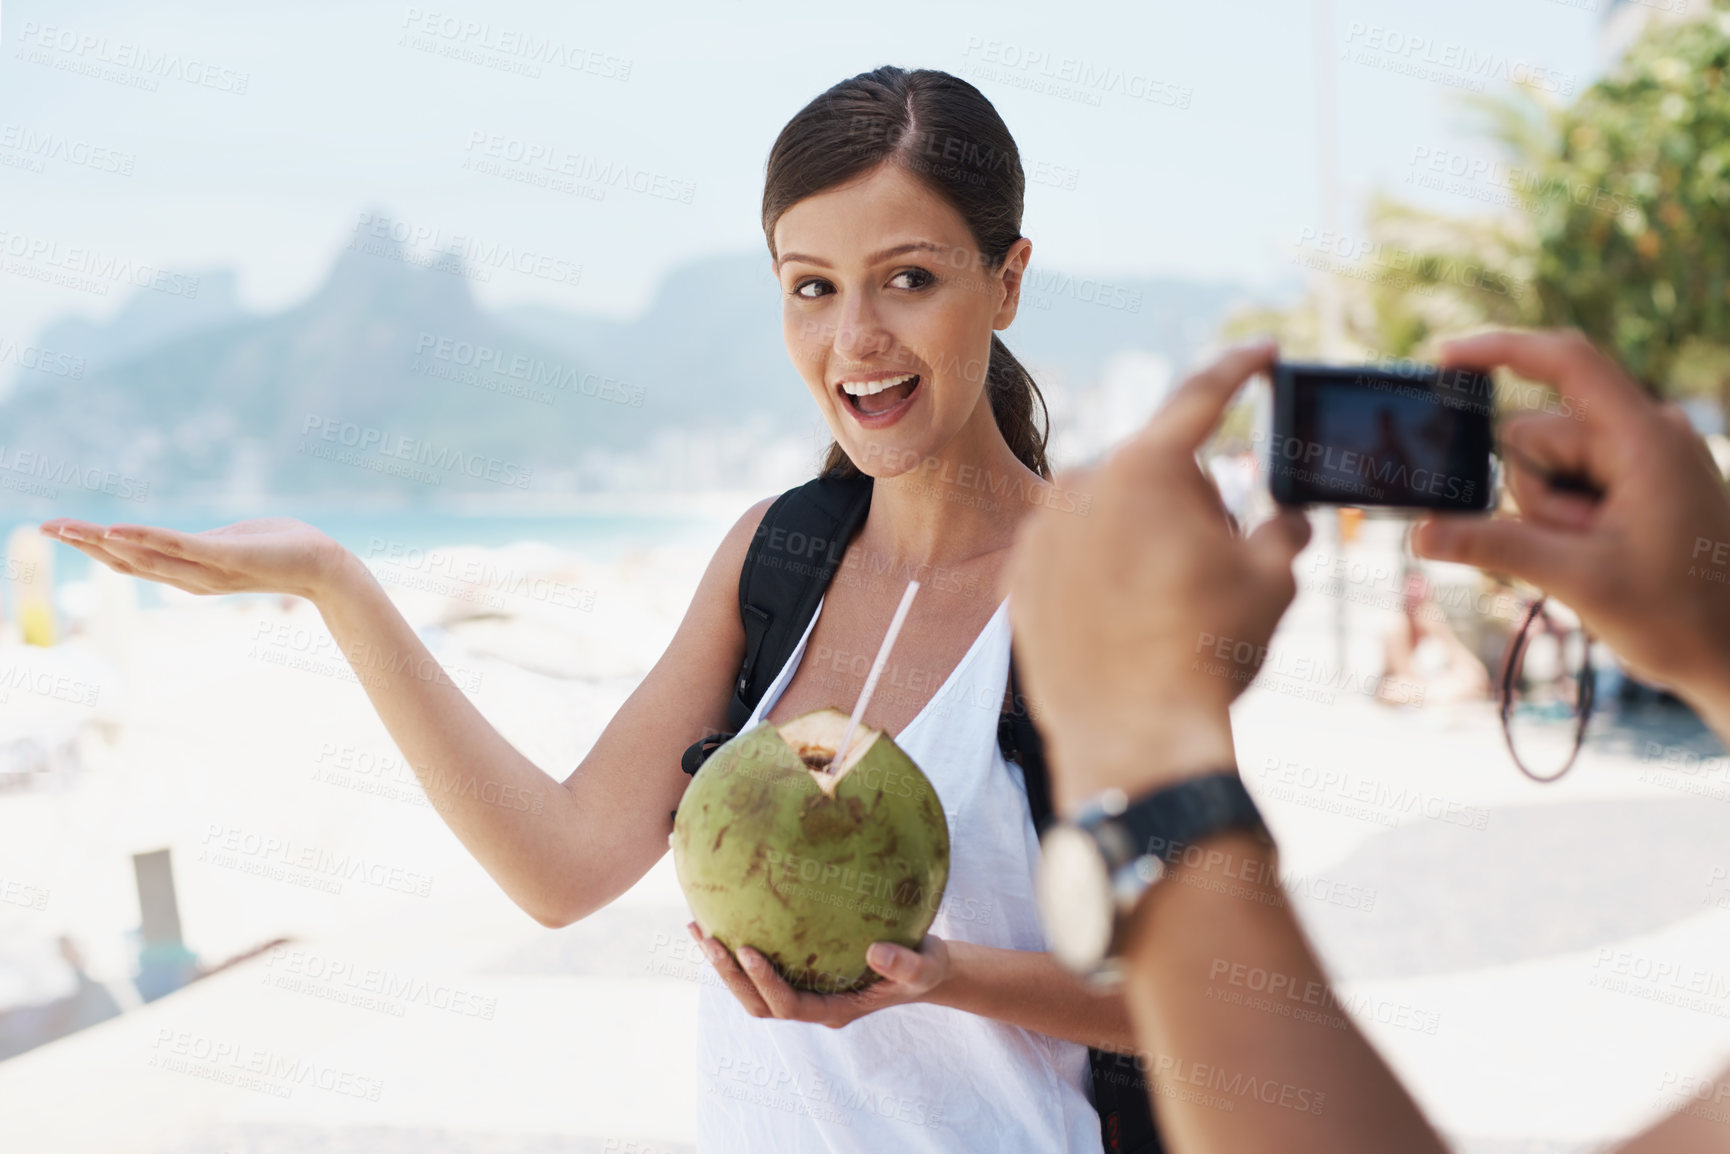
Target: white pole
{"type": "Point", "coordinates": [1329, 309]}
{"type": "Point", "coordinates": [1328, 303]}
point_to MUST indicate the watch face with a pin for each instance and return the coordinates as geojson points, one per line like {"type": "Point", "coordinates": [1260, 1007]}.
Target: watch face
{"type": "Point", "coordinates": [1075, 900]}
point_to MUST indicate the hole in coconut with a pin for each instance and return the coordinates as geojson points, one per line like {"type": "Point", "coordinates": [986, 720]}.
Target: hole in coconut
{"type": "Point", "coordinates": [813, 737]}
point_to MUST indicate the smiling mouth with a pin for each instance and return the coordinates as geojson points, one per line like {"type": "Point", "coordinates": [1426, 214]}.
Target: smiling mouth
{"type": "Point", "coordinates": [872, 398]}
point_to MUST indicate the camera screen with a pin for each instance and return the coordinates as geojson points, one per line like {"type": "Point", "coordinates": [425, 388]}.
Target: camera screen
{"type": "Point", "coordinates": [1361, 437]}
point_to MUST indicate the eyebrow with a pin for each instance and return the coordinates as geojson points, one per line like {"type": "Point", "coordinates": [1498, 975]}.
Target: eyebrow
{"type": "Point", "coordinates": [874, 258]}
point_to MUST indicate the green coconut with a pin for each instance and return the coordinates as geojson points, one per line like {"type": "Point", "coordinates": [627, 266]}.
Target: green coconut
{"type": "Point", "coordinates": [809, 862]}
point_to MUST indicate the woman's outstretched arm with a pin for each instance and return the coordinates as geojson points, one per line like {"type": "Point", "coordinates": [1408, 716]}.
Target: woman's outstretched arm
{"type": "Point", "coordinates": [591, 836]}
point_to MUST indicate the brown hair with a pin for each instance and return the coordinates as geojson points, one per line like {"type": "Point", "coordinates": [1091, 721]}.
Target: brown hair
{"type": "Point", "coordinates": [942, 130]}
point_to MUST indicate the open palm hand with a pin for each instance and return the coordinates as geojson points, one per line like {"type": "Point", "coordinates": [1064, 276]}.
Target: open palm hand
{"type": "Point", "coordinates": [262, 555]}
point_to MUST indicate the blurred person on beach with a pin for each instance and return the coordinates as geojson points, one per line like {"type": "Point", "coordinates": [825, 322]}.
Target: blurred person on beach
{"type": "Point", "coordinates": [1107, 610]}
{"type": "Point", "coordinates": [892, 209]}
{"type": "Point", "coordinates": [1424, 662]}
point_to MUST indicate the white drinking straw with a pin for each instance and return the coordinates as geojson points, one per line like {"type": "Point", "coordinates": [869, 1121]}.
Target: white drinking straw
{"type": "Point", "coordinates": [876, 668]}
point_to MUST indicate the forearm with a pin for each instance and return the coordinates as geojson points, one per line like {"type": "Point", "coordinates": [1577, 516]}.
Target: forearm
{"type": "Point", "coordinates": [1232, 1072]}
{"type": "Point", "coordinates": [507, 812]}
{"type": "Point", "coordinates": [1030, 989]}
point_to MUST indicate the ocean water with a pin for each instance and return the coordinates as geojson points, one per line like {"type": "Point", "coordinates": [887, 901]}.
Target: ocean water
{"type": "Point", "coordinates": [596, 535]}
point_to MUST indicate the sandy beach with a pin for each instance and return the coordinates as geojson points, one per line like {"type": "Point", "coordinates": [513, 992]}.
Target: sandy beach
{"type": "Point", "coordinates": [242, 743]}
{"type": "Point", "coordinates": [1490, 947]}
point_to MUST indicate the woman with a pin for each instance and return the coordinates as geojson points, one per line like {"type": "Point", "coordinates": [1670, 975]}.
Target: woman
{"type": "Point", "coordinates": [892, 209]}
{"type": "Point", "coordinates": [1424, 661]}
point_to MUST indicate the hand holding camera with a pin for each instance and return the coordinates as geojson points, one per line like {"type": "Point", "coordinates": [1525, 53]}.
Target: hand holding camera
{"type": "Point", "coordinates": [1128, 682]}
{"type": "Point", "coordinates": [1645, 565]}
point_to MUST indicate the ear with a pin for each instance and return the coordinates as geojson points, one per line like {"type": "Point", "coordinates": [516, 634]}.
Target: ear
{"type": "Point", "coordinates": [1014, 267]}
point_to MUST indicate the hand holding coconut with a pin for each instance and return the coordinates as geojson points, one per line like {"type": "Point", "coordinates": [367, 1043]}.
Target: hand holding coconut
{"type": "Point", "coordinates": [907, 976]}
{"type": "Point", "coordinates": [1139, 623]}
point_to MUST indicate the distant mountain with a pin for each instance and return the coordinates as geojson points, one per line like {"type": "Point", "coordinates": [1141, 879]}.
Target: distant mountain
{"type": "Point", "coordinates": [389, 368]}
{"type": "Point", "coordinates": [145, 321]}
{"type": "Point", "coordinates": [1075, 325]}
{"type": "Point", "coordinates": [712, 335]}
{"type": "Point", "coordinates": [709, 343]}
{"type": "Point", "coordinates": [1102, 349]}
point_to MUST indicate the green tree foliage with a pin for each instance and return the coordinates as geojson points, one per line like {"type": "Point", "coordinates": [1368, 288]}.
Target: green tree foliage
{"type": "Point", "coordinates": [1614, 217]}
{"type": "Point", "coordinates": [1632, 206]}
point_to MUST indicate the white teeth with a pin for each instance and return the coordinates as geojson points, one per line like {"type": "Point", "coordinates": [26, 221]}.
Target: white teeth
{"type": "Point", "coordinates": [869, 388]}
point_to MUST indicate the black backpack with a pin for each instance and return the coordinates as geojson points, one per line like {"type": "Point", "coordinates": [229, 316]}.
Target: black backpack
{"type": "Point", "coordinates": [791, 560]}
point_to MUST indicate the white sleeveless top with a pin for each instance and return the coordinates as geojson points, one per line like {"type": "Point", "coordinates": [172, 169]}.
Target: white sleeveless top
{"type": "Point", "coordinates": [915, 1077]}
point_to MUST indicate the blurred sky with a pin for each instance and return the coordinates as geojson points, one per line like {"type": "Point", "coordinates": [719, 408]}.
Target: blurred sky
{"type": "Point", "coordinates": [339, 116]}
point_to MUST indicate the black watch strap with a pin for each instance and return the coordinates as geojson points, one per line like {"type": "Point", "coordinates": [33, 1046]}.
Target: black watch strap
{"type": "Point", "coordinates": [1163, 824]}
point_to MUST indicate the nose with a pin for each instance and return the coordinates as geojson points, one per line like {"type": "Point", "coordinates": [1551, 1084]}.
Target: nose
{"type": "Point", "coordinates": [859, 331]}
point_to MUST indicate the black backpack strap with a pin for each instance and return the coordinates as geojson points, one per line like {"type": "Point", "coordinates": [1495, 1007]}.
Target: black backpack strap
{"type": "Point", "coordinates": [792, 558]}
{"type": "Point", "coordinates": [1020, 741]}
{"type": "Point", "coordinates": [1120, 1089]}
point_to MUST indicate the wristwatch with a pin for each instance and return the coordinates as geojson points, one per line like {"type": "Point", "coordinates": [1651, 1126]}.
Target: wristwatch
{"type": "Point", "coordinates": [1095, 867]}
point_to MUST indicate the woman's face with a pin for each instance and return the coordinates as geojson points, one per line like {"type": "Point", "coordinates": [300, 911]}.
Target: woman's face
{"type": "Point", "coordinates": [888, 312]}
